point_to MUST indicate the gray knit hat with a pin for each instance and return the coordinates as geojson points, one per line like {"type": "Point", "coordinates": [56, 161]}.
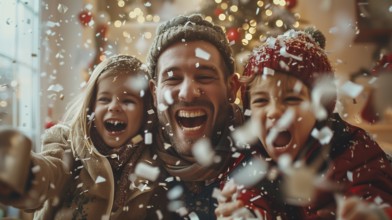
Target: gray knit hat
{"type": "Point", "coordinates": [185, 29]}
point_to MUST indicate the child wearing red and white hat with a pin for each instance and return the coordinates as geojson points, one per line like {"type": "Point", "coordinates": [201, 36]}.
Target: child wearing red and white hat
{"type": "Point", "coordinates": [318, 166]}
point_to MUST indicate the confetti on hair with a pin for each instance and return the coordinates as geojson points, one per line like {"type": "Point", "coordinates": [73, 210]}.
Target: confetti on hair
{"type": "Point", "coordinates": [200, 53]}
{"type": "Point", "coordinates": [100, 179]}
{"type": "Point", "coordinates": [148, 138]}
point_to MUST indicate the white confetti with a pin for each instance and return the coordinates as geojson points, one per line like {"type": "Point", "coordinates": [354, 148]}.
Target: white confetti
{"type": "Point", "coordinates": [100, 179]}
{"type": "Point", "coordinates": [193, 216]}
{"type": "Point", "coordinates": [247, 112]}
{"type": "Point", "coordinates": [150, 112]}
{"type": "Point", "coordinates": [168, 97]}
{"type": "Point", "coordinates": [323, 90]}
{"type": "Point", "coordinates": [175, 193]}
{"type": "Point", "coordinates": [378, 200]}
{"type": "Point", "coordinates": [148, 138]}
{"type": "Point", "coordinates": [324, 136]}
{"type": "Point", "coordinates": [217, 194]}
{"type": "Point", "coordinates": [246, 134]}
{"type": "Point", "coordinates": [200, 53]}
{"type": "Point", "coordinates": [162, 107]}
{"type": "Point", "coordinates": [351, 89]}
{"type": "Point", "coordinates": [62, 8]}
{"type": "Point", "coordinates": [350, 176]}
{"type": "Point", "coordinates": [250, 174]}
{"type": "Point", "coordinates": [281, 125]}
{"type": "Point", "coordinates": [203, 152]}
{"type": "Point", "coordinates": [268, 71]}
{"type": "Point", "coordinates": [56, 88]}
{"type": "Point", "coordinates": [146, 171]}
{"type": "Point", "coordinates": [159, 214]}
{"type": "Point", "coordinates": [285, 162]}
{"type": "Point", "coordinates": [139, 83]}
{"type": "Point", "coordinates": [36, 169]}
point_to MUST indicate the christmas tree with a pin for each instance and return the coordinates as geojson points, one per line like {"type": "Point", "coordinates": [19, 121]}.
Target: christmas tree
{"type": "Point", "coordinates": [247, 22]}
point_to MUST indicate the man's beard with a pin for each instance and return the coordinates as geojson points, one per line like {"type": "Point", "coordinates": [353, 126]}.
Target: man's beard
{"type": "Point", "coordinates": [180, 145]}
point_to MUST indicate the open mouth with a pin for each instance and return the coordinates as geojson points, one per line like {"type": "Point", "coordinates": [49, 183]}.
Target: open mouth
{"type": "Point", "coordinates": [283, 138]}
{"type": "Point", "coordinates": [115, 126]}
{"type": "Point", "coordinates": [191, 120]}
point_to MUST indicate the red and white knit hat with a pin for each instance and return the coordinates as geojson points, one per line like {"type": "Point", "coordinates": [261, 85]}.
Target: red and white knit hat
{"type": "Point", "coordinates": [297, 53]}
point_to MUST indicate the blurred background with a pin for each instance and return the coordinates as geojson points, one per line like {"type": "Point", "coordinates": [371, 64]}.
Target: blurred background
{"type": "Point", "coordinates": [48, 48]}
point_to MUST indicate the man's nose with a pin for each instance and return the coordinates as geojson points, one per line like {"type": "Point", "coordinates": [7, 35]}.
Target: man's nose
{"type": "Point", "coordinates": [189, 90]}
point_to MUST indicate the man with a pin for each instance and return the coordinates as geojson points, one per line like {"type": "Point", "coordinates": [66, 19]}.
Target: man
{"type": "Point", "coordinates": [194, 87]}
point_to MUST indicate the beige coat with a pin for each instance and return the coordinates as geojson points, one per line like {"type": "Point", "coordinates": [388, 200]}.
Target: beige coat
{"type": "Point", "coordinates": [84, 190]}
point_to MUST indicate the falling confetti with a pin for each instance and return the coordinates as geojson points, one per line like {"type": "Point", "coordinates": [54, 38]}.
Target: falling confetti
{"type": "Point", "coordinates": [147, 171]}
{"type": "Point", "coordinates": [168, 97]}
{"type": "Point", "coordinates": [250, 174]}
{"type": "Point", "coordinates": [56, 88]}
{"type": "Point", "coordinates": [324, 135]}
{"type": "Point", "coordinates": [203, 152]}
{"type": "Point", "coordinates": [148, 138]}
{"type": "Point", "coordinates": [351, 89]}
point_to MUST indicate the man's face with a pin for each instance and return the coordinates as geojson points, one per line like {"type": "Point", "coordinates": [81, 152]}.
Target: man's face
{"type": "Point", "coordinates": [192, 93]}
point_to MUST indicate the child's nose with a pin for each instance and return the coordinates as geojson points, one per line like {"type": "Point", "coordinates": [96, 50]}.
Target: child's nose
{"type": "Point", "coordinates": [275, 111]}
{"type": "Point", "coordinates": [114, 106]}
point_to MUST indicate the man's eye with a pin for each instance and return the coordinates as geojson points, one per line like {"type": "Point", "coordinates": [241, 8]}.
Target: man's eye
{"type": "Point", "coordinates": [171, 80]}
{"type": "Point", "coordinates": [206, 78]}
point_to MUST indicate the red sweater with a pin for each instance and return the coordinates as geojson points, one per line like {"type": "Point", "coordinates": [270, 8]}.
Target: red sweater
{"type": "Point", "coordinates": [356, 162]}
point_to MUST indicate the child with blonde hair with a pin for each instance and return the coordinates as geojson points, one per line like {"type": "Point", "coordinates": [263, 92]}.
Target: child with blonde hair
{"type": "Point", "coordinates": [86, 169]}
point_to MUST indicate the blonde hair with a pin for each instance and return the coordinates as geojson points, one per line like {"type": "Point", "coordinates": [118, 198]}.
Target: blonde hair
{"type": "Point", "coordinates": [78, 115]}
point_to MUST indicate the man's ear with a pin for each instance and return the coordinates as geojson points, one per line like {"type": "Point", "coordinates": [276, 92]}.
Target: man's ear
{"type": "Point", "coordinates": [153, 88]}
{"type": "Point", "coordinates": [233, 86]}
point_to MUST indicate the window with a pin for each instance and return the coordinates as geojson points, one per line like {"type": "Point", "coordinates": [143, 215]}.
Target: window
{"type": "Point", "coordinates": [19, 66]}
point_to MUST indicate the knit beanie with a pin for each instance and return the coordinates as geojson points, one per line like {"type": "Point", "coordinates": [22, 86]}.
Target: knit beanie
{"type": "Point", "coordinates": [297, 53]}
{"type": "Point", "coordinates": [185, 29]}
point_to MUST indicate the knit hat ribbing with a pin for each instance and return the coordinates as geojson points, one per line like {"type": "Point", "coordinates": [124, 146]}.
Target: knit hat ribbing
{"type": "Point", "coordinates": [296, 53]}
{"type": "Point", "coordinates": [185, 29]}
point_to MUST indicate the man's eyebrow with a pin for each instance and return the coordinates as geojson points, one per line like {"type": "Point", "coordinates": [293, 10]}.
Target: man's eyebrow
{"type": "Point", "coordinates": [206, 67]}
{"type": "Point", "coordinates": [166, 71]}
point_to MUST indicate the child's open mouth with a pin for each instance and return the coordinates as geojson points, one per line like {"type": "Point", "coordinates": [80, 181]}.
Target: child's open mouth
{"type": "Point", "coordinates": [115, 126]}
{"type": "Point", "coordinates": [191, 120]}
{"type": "Point", "coordinates": [282, 139]}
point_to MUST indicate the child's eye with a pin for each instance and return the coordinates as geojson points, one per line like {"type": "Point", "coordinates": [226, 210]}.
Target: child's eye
{"type": "Point", "coordinates": [293, 99]}
{"type": "Point", "coordinates": [260, 101]}
{"type": "Point", "coordinates": [129, 101]}
{"type": "Point", "coordinates": [103, 99]}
